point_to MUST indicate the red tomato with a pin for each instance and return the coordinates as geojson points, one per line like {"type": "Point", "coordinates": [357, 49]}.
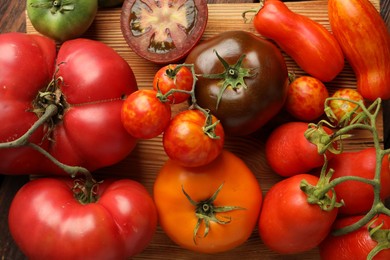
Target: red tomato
{"type": "Point", "coordinates": [88, 89]}
{"type": "Point", "coordinates": [288, 152]}
{"type": "Point", "coordinates": [358, 197]}
{"type": "Point", "coordinates": [355, 245]}
{"type": "Point", "coordinates": [343, 111]}
{"type": "Point", "coordinates": [288, 224]}
{"type": "Point", "coordinates": [119, 225]}
{"type": "Point", "coordinates": [178, 216]}
{"type": "Point", "coordinates": [168, 78]}
{"type": "Point", "coordinates": [306, 98]}
{"type": "Point", "coordinates": [144, 115]}
{"type": "Point", "coordinates": [186, 142]}
{"type": "Point", "coordinates": [309, 43]}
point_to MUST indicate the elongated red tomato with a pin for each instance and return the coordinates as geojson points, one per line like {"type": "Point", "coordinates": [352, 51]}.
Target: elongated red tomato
{"type": "Point", "coordinates": [309, 43]}
{"type": "Point", "coordinates": [366, 47]}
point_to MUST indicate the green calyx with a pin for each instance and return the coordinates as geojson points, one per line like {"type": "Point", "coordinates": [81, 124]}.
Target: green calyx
{"type": "Point", "coordinates": [381, 236]}
{"type": "Point", "coordinates": [233, 76]}
{"type": "Point", "coordinates": [56, 6]}
{"type": "Point", "coordinates": [205, 212]}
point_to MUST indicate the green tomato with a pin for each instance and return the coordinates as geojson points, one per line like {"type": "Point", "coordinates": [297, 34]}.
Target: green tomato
{"type": "Point", "coordinates": [61, 20]}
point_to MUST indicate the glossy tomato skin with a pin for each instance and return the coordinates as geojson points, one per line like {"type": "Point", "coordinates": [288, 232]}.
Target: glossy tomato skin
{"type": "Point", "coordinates": [185, 141]}
{"type": "Point", "coordinates": [358, 197]}
{"type": "Point", "coordinates": [288, 152]}
{"type": "Point", "coordinates": [370, 63]}
{"type": "Point", "coordinates": [288, 224]}
{"type": "Point", "coordinates": [91, 81]}
{"type": "Point", "coordinates": [243, 110]}
{"type": "Point", "coordinates": [177, 214]}
{"type": "Point", "coordinates": [166, 79]}
{"type": "Point", "coordinates": [306, 98]}
{"type": "Point", "coordinates": [144, 115]}
{"type": "Point", "coordinates": [356, 245]}
{"type": "Point", "coordinates": [340, 108]}
{"type": "Point", "coordinates": [309, 43]}
{"type": "Point", "coordinates": [61, 20]}
{"type": "Point", "coordinates": [66, 229]}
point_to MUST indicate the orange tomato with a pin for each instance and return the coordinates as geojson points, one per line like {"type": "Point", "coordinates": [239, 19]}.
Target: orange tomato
{"type": "Point", "coordinates": [177, 189]}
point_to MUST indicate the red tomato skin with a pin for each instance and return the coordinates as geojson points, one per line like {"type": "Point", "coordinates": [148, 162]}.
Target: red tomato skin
{"type": "Point", "coordinates": [288, 152]}
{"type": "Point", "coordinates": [355, 245]}
{"type": "Point", "coordinates": [360, 44]}
{"type": "Point", "coordinates": [144, 115]}
{"type": "Point", "coordinates": [183, 80]}
{"type": "Point", "coordinates": [66, 229]}
{"type": "Point", "coordinates": [306, 97]}
{"type": "Point", "coordinates": [358, 196]}
{"type": "Point", "coordinates": [288, 224]}
{"type": "Point", "coordinates": [309, 43]}
{"type": "Point", "coordinates": [185, 142]}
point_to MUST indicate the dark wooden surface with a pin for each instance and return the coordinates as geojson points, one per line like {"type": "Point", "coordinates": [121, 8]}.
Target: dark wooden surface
{"type": "Point", "coordinates": [12, 18]}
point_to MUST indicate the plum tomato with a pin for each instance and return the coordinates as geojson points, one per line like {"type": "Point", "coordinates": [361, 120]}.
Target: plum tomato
{"type": "Point", "coordinates": [306, 98]}
{"type": "Point", "coordinates": [174, 77]}
{"type": "Point", "coordinates": [243, 80]}
{"type": "Point", "coordinates": [343, 110]}
{"type": "Point", "coordinates": [144, 115]}
{"type": "Point", "coordinates": [163, 31]}
{"type": "Point", "coordinates": [193, 139]}
{"type": "Point", "coordinates": [208, 209]}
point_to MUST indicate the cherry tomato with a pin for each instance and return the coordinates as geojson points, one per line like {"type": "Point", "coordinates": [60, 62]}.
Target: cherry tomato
{"type": "Point", "coordinates": [143, 115]}
{"type": "Point", "coordinates": [288, 224]}
{"type": "Point", "coordinates": [179, 214]}
{"type": "Point", "coordinates": [168, 78]}
{"type": "Point", "coordinates": [342, 109]}
{"type": "Point", "coordinates": [306, 98]}
{"type": "Point", "coordinates": [358, 197]}
{"type": "Point", "coordinates": [288, 152]}
{"type": "Point", "coordinates": [187, 142]}
{"type": "Point", "coordinates": [355, 245]}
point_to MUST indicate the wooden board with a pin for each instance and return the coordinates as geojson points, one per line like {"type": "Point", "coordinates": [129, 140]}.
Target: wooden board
{"type": "Point", "coordinates": [147, 158]}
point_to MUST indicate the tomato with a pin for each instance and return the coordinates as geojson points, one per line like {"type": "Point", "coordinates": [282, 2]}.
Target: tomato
{"type": "Point", "coordinates": [178, 188]}
{"type": "Point", "coordinates": [163, 31]}
{"type": "Point", "coordinates": [173, 77]}
{"type": "Point", "coordinates": [144, 115]}
{"type": "Point", "coordinates": [359, 197]}
{"type": "Point", "coordinates": [306, 98]}
{"type": "Point", "coordinates": [247, 88]}
{"type": "Point", "coordinates": [288, 224]}
{"type": "Point", "coordinates": [288, 152]}
{"type": "Point", "coordinates": [343, 111]}
{"type": "Point", "coordinates": [88, 81]}
{"type": "Point", "coordinates": [309, 43]}
{"type": "Point", "coordinates": [109, 3]}
{"type": "Point", "coordinates": [120, 224]}
{"type": "Point", "coordinates": [61, 20]}
{"type": "Point", "coordinates": [370, 63]}
{"type": "Point", "coordinates": [356, 245]}
{"type": "Point", "coordinates": [187, 142]}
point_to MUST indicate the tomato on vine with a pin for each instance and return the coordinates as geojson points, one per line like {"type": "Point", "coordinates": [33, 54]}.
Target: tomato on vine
{"type": "Point", "coordinates": [341, 109]}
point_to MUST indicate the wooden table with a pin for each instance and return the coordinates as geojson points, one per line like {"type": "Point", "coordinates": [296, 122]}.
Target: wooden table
{"type": "Point", "coordinates": [12, 18]}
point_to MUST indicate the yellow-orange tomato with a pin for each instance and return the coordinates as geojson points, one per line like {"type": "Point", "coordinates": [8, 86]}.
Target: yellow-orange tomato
{"type": "Point", "coordinates": [342, 110]}
{"type": "Point", "coordinates": [182, 195]}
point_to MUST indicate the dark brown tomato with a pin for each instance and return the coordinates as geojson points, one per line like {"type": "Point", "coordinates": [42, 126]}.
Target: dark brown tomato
{"type": "Point", "coordinates": [249, 92]}
{"type": "Point", "coordinates": [163, 31]}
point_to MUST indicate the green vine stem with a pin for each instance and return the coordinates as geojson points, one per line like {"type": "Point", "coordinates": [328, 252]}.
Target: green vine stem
{"type": "Point", "coordinates": [365, 120]}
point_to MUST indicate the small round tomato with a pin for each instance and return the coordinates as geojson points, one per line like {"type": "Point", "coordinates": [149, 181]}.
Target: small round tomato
{"type": "Point", "coordinates": [357, 244]}
{"type": "Point", "coordinates": [143, 115]}
{"type": "Point", "coordinates": [174, 77]}
{"type": "Point", "coordinates": [306, 97]}
{"type": "Point", "coordinates": [61, 20]}
{"type": "Point", "coordinates": [191, 141]}
{"type": "Point", "coordinates": [342, 109]}
{"type": "Point", "coordinates": [163, 31]}
{"type": "Point", "coordinates": [288, 224]}
{"type": "Point", "coordinates": [208, 209]}
{"type": "Point", "coordinates": [288, 152]}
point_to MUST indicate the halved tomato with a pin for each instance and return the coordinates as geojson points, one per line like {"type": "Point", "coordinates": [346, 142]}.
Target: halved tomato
{"type": "Point", "coordinates": [163, 31]}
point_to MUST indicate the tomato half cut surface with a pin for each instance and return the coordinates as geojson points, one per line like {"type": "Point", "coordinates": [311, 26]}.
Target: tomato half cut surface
{"type": "Point", "coordinates": [163, 31]}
